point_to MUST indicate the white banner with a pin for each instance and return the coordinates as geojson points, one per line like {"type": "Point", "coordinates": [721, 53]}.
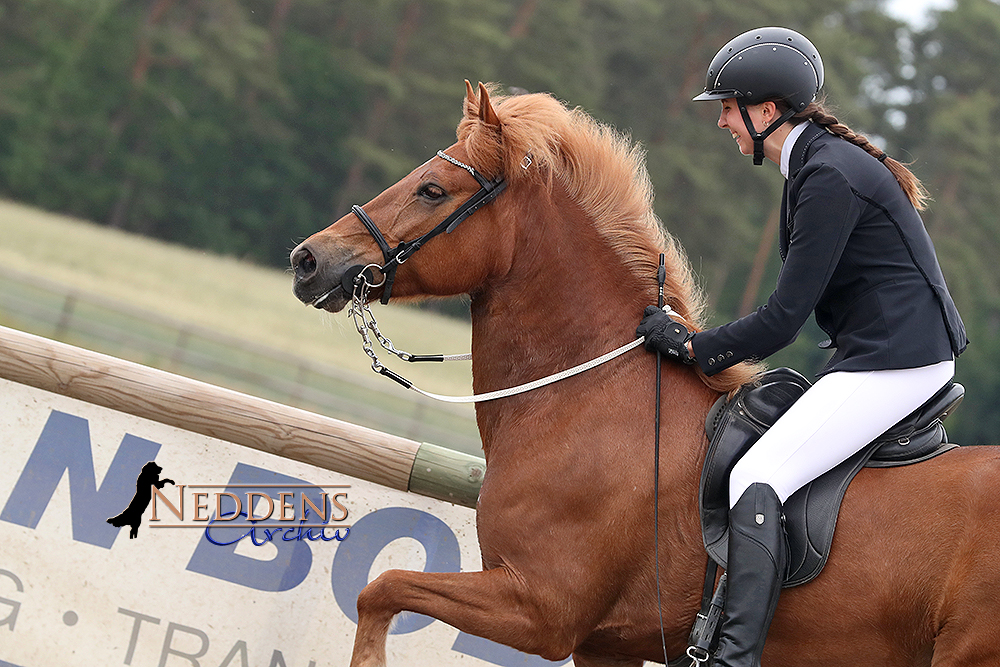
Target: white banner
{"type": "Point", "coordinates": [191, 589]}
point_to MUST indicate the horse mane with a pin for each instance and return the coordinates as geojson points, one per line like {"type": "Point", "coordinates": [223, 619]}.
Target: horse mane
{"type": "Point", "coordinates": [604, 172]}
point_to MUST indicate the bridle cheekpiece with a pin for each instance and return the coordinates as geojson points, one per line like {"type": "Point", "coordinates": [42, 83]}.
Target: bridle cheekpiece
{"type": "Point", "coordinates": [393, 258]}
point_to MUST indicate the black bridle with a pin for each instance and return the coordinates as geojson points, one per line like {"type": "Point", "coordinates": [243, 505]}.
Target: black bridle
{"type": "Point", "coordinates": [394, 257]}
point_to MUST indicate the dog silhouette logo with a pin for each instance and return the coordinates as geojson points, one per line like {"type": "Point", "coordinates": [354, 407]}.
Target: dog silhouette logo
{"type": "Point", "coordinates": [132, 516]}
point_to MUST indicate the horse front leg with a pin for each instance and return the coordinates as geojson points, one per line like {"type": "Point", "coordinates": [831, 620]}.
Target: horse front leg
{"type": "Point", "coordinates": [495, 604]}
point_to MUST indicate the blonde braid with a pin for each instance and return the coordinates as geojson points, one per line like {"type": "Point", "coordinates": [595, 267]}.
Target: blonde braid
{"type": "Point", "coordinates": [911, 185]}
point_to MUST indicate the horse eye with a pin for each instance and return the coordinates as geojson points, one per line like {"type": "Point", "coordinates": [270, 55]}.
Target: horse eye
{"type": "Point", "coordinates": [432, 192]}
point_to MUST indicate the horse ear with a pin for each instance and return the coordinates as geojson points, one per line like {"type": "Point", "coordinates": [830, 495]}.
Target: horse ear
{"type": "Point", "coordinates": [470, 98]}
{"type": "Point", "coordinates": [486, 112]}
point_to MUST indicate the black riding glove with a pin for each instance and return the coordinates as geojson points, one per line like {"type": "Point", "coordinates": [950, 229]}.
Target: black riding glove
{"type": "Point", "coordinates": [665, 334]}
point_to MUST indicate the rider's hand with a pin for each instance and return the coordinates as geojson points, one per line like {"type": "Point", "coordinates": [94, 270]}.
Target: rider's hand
{"type": "Point", "coordinates": [665, 334]}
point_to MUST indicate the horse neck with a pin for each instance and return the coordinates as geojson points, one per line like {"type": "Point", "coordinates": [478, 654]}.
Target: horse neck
{"type": "Point", "coordinates": [559, 300]}
{"type": "Point", "coordinates": [568, 298]}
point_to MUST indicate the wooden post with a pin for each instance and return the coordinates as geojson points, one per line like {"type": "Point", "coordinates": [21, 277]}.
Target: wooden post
{"type": "Point", "coordinates": [66, 316]}
{"type": "Point", "coordinates": [447, 475]}
{"type": "Point", "coordinates": [239, 418]}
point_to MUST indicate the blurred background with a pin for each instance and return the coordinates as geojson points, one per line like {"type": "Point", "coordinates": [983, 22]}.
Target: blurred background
{"type": "Point", "coordinates": [239, 127]}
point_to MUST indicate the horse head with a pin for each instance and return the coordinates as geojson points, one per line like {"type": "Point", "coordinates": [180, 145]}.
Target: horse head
{"type": "Point", "coordinates": [430, 201]}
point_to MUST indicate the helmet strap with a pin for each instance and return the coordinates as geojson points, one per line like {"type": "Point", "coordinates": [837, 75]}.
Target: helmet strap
{"type": "Point", "coordinates": [759, 137]}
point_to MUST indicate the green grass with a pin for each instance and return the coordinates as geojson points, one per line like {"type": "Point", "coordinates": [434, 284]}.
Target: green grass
{"type": "Point", "coordinates": [219, 293]}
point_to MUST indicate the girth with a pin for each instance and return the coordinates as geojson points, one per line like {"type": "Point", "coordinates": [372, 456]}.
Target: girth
{"type": "Point", "coordinates": [733, 425]}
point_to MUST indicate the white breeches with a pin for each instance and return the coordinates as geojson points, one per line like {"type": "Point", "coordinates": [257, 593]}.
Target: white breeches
{"type": "Point", "coordinates": [841, 413]}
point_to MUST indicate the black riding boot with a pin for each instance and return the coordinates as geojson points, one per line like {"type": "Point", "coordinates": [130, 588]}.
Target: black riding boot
{"type": "Point", "coordinates": [756, 568]}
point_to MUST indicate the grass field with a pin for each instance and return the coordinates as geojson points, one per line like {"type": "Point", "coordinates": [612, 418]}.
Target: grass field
{"type": "Point", "coordinates": [222, 294]}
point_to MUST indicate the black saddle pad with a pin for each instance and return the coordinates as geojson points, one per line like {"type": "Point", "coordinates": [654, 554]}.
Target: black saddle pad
{"type": "Point", "coordinates": [811, 512]}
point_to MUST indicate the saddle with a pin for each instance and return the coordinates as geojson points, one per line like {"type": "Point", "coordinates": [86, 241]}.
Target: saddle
{"type": "Point", "coordinates": [734, 424]}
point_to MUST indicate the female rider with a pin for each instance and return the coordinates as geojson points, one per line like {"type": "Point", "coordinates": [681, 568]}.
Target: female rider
{"type": "Point", "coordinates": [855, 253]}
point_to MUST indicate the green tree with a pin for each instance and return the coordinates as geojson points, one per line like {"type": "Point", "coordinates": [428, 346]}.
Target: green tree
{"type": "Point", "coordinates": [205, 123]}
{"type": "Point", "coordinates": [412, 56]}
{"type": "Point", "coordinates": [947, 121]}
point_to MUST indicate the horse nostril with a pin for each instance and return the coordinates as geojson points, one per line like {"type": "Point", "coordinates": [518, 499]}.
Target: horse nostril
{"type": "Point", "coordinates": [304, 263]}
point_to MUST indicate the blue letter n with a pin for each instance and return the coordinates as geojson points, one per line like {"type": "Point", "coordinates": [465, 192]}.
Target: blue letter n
{"type": "Point", "coordinates": [64, 445]}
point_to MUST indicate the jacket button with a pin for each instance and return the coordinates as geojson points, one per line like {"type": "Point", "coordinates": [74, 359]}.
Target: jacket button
{"type": "Point", "coordinates": [711, 361]}
{"type": "Point", "coordinates": [729, 354]}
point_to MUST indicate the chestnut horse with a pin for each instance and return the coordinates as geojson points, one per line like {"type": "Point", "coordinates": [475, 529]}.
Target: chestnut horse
{"type": "Point", "coordinates": [559, 268]}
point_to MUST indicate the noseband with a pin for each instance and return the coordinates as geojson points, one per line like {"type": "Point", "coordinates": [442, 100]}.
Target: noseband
{"type": "Point", "coordinates": [394, 257]}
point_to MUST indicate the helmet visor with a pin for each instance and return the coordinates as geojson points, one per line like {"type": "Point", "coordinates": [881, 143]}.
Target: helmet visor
{"type": "Point", "coordinates": [709, 95]}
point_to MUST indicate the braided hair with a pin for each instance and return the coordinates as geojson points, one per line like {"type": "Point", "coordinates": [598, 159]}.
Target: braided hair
{"type": "Point", "coordinates": [911, 185]}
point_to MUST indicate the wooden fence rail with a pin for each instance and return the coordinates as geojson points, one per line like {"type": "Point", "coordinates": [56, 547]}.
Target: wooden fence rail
{"type": "Point", "coordinates": [392, 461]}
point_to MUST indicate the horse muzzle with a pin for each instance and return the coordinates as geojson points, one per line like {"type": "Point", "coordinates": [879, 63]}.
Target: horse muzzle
{"type": "Point", "coordinates": [324, 279]}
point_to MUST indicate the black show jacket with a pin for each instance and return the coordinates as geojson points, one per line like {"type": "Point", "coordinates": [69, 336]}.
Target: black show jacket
{"type": "Point", "coordinates": [855, 252]}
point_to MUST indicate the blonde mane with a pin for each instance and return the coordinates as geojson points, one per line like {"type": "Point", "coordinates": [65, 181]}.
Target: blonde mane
{"type": "Point", "coordinates": [604, 172]}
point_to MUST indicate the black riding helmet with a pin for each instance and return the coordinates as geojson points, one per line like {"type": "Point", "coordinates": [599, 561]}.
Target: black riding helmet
{"type": "Point", "coordinates": [761, 65]}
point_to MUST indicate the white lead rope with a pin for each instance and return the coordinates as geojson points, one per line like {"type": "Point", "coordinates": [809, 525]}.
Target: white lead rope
{"type": "Point", "coordinates": [535, 384]}
{"type": "Point", "coordinates": [364, 321]}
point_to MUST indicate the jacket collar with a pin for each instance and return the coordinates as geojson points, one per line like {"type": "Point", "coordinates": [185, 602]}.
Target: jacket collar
{"type": "Point", "coordinates": [789, 144]}
{"type": "Point", "coordinates": [800, 152]}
